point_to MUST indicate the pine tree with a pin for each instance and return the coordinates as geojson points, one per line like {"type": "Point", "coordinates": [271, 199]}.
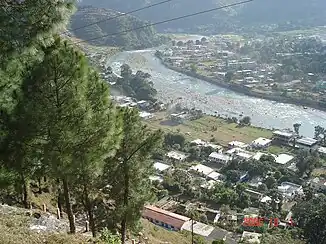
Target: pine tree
{"type": "Point", "coordinates": [129, 171]}
{"type": "Point", "coordinates": [59, 94]}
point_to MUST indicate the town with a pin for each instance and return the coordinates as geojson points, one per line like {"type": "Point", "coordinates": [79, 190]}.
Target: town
{"type": "Point", "coordinates": [265, 175]}
{"type": "Point", "coordinates": [256, 67]}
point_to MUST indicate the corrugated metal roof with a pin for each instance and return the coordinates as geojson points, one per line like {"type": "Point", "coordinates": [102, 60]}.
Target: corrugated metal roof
{"type": "Point", "coordinates": [164, 216]}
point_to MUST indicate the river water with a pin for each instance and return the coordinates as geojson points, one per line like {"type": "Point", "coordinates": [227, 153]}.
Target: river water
{"type": "Point", "coordinates": [213, 99]}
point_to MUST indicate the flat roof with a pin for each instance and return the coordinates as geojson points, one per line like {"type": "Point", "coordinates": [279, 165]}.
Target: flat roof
{"type": "Point", "coordinates": [214, 175]}
{"type": "Point", "coordinates": [237, 144]}
{"type": "Point", "coordinates": [220, 156]}
{"type": "Point", "coordinates": [261, 141]}
{"type": "Point", "coordinates": [160, 166]}
{"type": "Point", "coordinates": [307, 141]}
{"type": "Point", "coordinates": [282, 133]}
{"type": "Point", "coordinates": [283, 158]}
{"type": "Point", "coordinates": [202, 169]}
{"type": "Point", "coordinates": [199, 228]}
{"type": "Point", "coordinates": [176, 155]}
{"type": "Point", "coordinates": [322, 150]}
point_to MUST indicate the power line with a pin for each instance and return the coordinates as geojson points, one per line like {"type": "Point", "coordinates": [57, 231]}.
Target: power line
{"type": "Point", "coordinates": [120, 15]}
{"type": "Point", "coordinates": [166, 21]}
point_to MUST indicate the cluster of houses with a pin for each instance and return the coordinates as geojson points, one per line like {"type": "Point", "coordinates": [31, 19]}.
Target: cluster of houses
{"type": "Point", "coordinates": [145, 107]}
{"type": "Point", "coordinates": [221, 156]}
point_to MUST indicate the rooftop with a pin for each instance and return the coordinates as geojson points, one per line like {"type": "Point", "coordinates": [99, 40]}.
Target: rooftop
{"type": "Point", "coordinates": [238, 144]}
{"type": "Point", "coordinates": [160, 166]}
{"type": "Point", "coordinates": [214, 175]}
{"type": "Point", "coordinates": [164, 216]}
{"type": "Point", "coordinates": [261, 141]}
{"type": "Point", "coordinates": [283, 158]}
{"type": "Point", "coordinates": [202, 169]}
{"type": "Point", "coordinates": [307, 141]}
{"type": "Point", "coordinates": [220, 156]}
{"type": "Point", "coordinates": [177, 155]}
{"type": "Point", "coordinates": [283, 133]}
{"type": "Point", "coordinates": [322, 150]}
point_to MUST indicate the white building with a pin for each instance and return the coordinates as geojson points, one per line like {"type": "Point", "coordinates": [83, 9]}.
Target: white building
{"type": "Point", "coordinates": [307, 143]}
{"type": "Point", "coordinates": [283, 137]}
{"type": "Point", "coordinates": [239, 153]}
{"type": "Point", "coordinates": [237, 144]}
{"type": "Point", "coordinates": [201, 143]}
{"type": "Point", "coordinates": [202, 169]}
{"type": "Point", "coordinates": [219, 158]}
{"type": "Point", "coordinates": [161, 167]}
{"type": "Point", "coordinates": [261, 142]}
{"type": "Point", "coordinates": [322, 151]}
{"type": "Point", "coordinates": [289, 190]}
{"type": "Point", "coordinates": [284, 159]}
{"type": "Point", "coordinates": [177, 156]}
{"type": "Point", "coordinates": [215, 176]}
{"type": "Point", "coordinates": [145, 115]}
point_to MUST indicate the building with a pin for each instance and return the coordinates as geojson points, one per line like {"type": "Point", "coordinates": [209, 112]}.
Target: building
{"type": "Point", "coordinates": [164, 218]}
{"type": "Point", "coordinates": [289, 189]}
{"type": "Point", "coordinates": [177, 156]}
{"type": "Point", "coordinates": [219, 158]}
{"type": "Point", "coordinates": [215, 176]}
{"type": "Point", "coordinates": [250, 237]}
{"type": "Point", "coordinates": [261, 142]}
{"type": "Point", "coordinates": [283, 137]}
{"type": "Point", "coordinates": [237, 144]}
{"type": "Point", "coordinates": [161, 167]}
{"type": "Point", "coordinates": [202, 169]}
{"type": "Point", "coordinates": [318, 184]}
{"type": "Point", "coordinates": [201, 143]}
{"type": "Point", "coordinates": [307, 143]}
{"type": "Point", "coordinates": [145, 115]}
{"type": "Point", "coordinates": [322, 151]}
{"type": "Point", "coordinates": [284, 159]}
{"type": "Point", "coordinates": [239, 153]}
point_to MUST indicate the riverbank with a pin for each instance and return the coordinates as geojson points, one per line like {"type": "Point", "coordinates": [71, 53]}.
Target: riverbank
{"type": "Point", "coordinates": [246, 91]}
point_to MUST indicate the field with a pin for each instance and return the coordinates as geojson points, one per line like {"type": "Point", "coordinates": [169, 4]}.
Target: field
{"type": "Point", "coordinates": [203, 128]}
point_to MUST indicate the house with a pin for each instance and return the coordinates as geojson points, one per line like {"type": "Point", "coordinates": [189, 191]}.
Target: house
{"type": "Point", "coordinates": [250, 237]}
{"type": "Point", "coordinates": [202, 169]}
{"type": "Point", "coordinates": [161, 167]}
{"type": "Point", "coordinates": [318, 184]}
{"type": "Point", "coordinates": [143, 104]}
{"type": "Point", "coordinates": [156, 178]}
{"type": "Point", "coordinates": [283, 159]}
{"type": "Point", "coordinates": [237, 144]}
{"type": "Point", "coordinates": [201, 143]}
{"type": "Point", "coordinates": [219, 158]}
{"type": "Point", "coordinates": [145, 115]}
{"type": "Point", "coordinates": [261, 142]}
{"type": "Point", "coordinates": [322, 151]}
{"type": "Point", "coordinates": [289, 189]}
{"type": "Point", "coordinates": [254, 194]}
{"type": "Point", "coordinates": [307, 143]}
{"type": "Point", "coordinates": [164, 218]}
{"type": "Point", "coordinates": [283, 137]}
{"type": "Point", "coordinates": [215, 176]}
{"type": "Point", "coordinates": [177, 156]}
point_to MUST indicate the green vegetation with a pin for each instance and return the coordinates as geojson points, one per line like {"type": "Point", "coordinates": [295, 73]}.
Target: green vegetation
{"type": "Point", "coordinates": [211, 128]}
{"type": "Point", "coordinates": [64, 141]}
{"type": "Point", "coordinates": [142, 38]}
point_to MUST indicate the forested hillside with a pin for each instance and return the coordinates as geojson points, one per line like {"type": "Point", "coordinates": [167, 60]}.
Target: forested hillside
{"type": "Point", "coordinates": [142, 38]}
{"type": "Point", "coordinates": [277, 14]}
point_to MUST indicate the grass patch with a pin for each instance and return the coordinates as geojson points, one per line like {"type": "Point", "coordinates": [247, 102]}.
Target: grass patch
{"type": "Point", "coordinates": [159, 235]}
{"type": "Point", "coordinates": [203, 128]}
{"type": "Point", "coordinates": [14, 230]}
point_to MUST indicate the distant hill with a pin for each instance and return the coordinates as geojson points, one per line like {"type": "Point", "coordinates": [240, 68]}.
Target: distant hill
{"type": "Point", "coordinates": [141, 38]}
{"type": "Point", "coordinates": [277, 14]}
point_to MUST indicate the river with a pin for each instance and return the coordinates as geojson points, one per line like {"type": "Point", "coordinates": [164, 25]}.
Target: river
{"type": "Point", "coordinates": [213, 99]}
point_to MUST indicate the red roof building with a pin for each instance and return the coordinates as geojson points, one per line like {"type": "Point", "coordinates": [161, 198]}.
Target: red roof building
{"type": "Point", "coordinates": [164, 218]}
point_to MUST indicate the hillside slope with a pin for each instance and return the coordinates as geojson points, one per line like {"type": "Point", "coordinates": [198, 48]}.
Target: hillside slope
{"type": "Point", "coordinates": [142, 38]}
{"type": "Point", "coordinates": [279, 14]}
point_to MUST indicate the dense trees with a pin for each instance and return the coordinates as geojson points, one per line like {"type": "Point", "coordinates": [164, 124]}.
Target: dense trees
{"type": "Point", "coordinates": [136, 85]}
{"type": "Point", "coordinates": [59, 126]}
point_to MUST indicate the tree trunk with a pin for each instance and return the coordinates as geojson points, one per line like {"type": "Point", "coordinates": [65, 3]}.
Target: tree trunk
{"type": "Point", "coordinates": [39, 185]}
{"type": "Point", "coordinates": [25, 191]}
{"type": "Point", "coordinates": [90, 212]}
{"type": "Point", "coordinates": [68, 206]}
{"type": "Point", "coordinates": [125, 203]}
